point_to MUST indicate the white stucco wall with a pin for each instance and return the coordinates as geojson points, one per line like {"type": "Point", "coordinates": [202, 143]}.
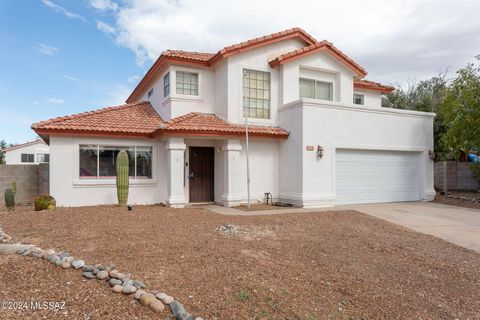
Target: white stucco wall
{"type": "Point", "coordinates": [319, 66]}
{"type": "Point", "coordinates": [336, 125]}
{"type": "Point", "coordinates": [264, 167]}
{"type": "Point", "coordinates": [14, 156]}
{"type": "Point", "coordinates": [175, 105]}
{"type": "Point", "coordinates": [69, 190]}
{"type": "Point", "coordinates": [371, 98]}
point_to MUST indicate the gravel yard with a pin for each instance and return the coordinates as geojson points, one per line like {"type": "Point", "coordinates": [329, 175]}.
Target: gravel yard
{"type": "Point", "coordinates": [326, 265]}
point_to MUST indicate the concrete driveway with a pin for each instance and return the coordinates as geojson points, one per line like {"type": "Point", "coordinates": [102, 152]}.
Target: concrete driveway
{"type": "Point", "coordinates": [460, 226]}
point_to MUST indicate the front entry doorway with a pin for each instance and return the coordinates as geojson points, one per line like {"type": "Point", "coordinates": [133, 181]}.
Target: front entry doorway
{"type": "Point", "coordinates": [201, 177]}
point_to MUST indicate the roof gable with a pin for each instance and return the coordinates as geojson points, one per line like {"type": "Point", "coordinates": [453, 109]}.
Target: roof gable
{"type": "Point", "coordinates": [202, 59]}
{"type": "Point", "coordinates": [318, 47]}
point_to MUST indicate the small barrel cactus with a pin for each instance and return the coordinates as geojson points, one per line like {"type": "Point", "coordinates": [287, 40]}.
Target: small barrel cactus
{"type": "Point", "coordinates": [122, 178]}
{"type": "Point", "coordinates": [9, 199]}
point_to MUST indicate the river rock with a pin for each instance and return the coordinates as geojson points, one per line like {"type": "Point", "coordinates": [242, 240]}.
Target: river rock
{"type": "Point", "coordinates": [157, 306]}
{"type": "Point", "coordinates": [147, 298]}
{"type": "Point", "coordinates": [167, 299]}
{"type": "Point", "coordinates": [113, 282]}
{"type": "Point", "coordinates": [129, 289]}
{"type": "Point", "coordinates": [139, 284]}
{"type": "Point", "coordinates": [102, 275]}
{"type": "Point", "coordinates": [88, 275]}
{"type": "Point", "coordinates": [66, 265]}
{"type": "Point", "coordinates": [117, 288]}
{"type": "Point", "coordinates": [138, 294]}
{"type": "Point", "coordinates": [77, 264]}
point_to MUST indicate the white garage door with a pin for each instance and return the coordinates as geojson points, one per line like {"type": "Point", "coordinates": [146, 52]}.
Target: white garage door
{"type": "Point", "coordinates": [364, 176]}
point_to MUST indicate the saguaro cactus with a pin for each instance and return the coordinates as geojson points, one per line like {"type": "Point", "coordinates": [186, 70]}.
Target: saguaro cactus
{"type": "Point", "coordinates": [122, 178]}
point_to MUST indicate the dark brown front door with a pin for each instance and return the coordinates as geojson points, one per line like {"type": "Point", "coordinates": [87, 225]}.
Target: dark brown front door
{"type": "Point", "coordinates": [201, 174]}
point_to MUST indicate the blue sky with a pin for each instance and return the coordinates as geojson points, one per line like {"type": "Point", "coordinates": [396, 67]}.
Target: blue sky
{"type": "Point", "coordinates": [60, 57]}
{"type": "Point", "coordinates": [52, 65]}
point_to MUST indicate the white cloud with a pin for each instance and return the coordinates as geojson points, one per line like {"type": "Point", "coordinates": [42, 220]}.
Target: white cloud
{"type": "Point", "coordinates": [62, 10]}
{"type": "Point", "coordinates": [105, 27]}
{"type": "Point", "coordinates": [117, 94]}
{"type": "Point", "coordinates": [133, 79]}
{"type": "Point", "coordinates": [104, 5]}
{"type": "Point", "coordinates": [66, 76]}
{"type": "Point", "coordinates": [45, 49]}
{"type": "Point", "coordinates": [55, 101]}
{"type": "Point", "coordinates": [393, 40]}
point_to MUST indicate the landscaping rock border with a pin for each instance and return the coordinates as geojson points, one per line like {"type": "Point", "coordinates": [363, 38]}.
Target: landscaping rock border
{"type": "Point", "coordinates": [120, 282]}
{"type": "Point", "coordinates": [453, 196]}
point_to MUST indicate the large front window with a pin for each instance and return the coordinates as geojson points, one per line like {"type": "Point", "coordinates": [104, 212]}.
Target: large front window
{"type": "Point", "coordinates": [256, 94]}
{"type": "Point", "coordinates": [313, 89]}
{"type": "Point", "coordinates": [187, 83]}
{"type": "Point", "coordinates": [99, 162]}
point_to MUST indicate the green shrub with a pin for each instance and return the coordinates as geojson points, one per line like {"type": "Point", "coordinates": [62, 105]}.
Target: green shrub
{"type": "Point", "coordinates": [9, 199]}
{"type": "Point", "coordinates": [44, 202]}
{"type": "Point", "coordinates": [475, 167]}
{"type": "Point", "coordinates": [14, 186]}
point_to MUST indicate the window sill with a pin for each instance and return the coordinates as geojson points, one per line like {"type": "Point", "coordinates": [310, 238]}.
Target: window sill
{"type": "Point", "coordinates": [80, 183]}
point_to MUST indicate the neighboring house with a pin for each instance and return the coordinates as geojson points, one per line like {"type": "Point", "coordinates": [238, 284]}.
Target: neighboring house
{"type": "Point", "coordinates": [318, 135]}
{"type": "Point", "coordinates": [33, 152]}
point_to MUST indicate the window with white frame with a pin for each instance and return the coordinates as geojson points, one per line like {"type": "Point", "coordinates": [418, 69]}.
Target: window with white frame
{"type": "Point", "coordinates": [187, 83]}
{"type": "Point", "coordinates": [314, 89]}
{"type": "Point", "coordinates": [28, 158]}
{"type": "Point", "coordinates": [256, 94]}
{"type": "Point", "coordinates": [43, 158]}
{"type": "Point", "coordinates": [99, 162]}
{"type": "Point", "coordinates": [358, 99]}
{"type": "Point", "coordinates": [166, 85]}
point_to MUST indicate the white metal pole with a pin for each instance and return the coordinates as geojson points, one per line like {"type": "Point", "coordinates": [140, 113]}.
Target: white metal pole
{"type": "Point", "coordinates": [247, 110]}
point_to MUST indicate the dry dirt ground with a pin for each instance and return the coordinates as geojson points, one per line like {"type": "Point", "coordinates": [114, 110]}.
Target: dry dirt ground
{"type": "Point", "coordinates": [459, 202]}
{"type": "Point", "coordinates": [326, 265]}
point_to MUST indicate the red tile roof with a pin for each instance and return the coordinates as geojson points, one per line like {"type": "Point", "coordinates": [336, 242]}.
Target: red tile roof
{"type": "Point", "coordinates": [135, 119]}
{"type": "Point", "coordinates": [210, 124]}
{"type": "Point", "coordinates": [264, 40]}
{"type": "Point", "coordinates": [141, 120]}
{"type": "Point", "coordinates": [372, 86]}
{"type": "Point", "coordinates": [188, 55]}
{"type": "Point", "coordinates": [319, 46]}
{"type": "Point", "coordinates": [209, 59]}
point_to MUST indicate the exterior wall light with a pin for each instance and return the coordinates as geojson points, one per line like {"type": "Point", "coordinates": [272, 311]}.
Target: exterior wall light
{"type": "Point", "coordinates": [319, 152]}
{"type": "Point", "coordinates": [431, 154]}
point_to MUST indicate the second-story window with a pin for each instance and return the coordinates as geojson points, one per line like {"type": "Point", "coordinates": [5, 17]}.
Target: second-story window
{"type": "Point", "coordinates": [256, 95]}
{"type": "Point", "coordinates": [187, 83]}
{"type": "Point", "coordinates": [358, 99]}
{"type": "Point", "coordinates": [314, 89]}
{"type": "Point", "coordinates": [166, 85]}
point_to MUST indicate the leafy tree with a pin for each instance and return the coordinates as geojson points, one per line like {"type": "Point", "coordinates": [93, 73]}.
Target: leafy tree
{"type": "Point", "coordinates": [426, 96]}
{"type": "Point", "coordinates": [461, 109]}
{"type": "Point", "coordinates": [3, 145]}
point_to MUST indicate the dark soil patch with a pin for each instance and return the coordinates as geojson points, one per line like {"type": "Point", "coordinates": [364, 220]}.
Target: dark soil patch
{"type": "Point", "coordinates": [326, 265]}
{"type": "Point", "coordinates": [459, 202]}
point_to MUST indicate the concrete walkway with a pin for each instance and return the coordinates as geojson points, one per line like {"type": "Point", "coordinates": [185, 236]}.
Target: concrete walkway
{"type": "Point", "coordinates": [457, 225]}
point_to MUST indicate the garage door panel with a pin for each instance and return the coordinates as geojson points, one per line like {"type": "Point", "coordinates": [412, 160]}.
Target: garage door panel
{"type": "Point", "coordinates": [364, 176]}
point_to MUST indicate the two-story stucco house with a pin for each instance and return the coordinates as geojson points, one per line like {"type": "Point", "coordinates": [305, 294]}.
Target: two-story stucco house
{"type": "Point", "coordinates": [318, 135]}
